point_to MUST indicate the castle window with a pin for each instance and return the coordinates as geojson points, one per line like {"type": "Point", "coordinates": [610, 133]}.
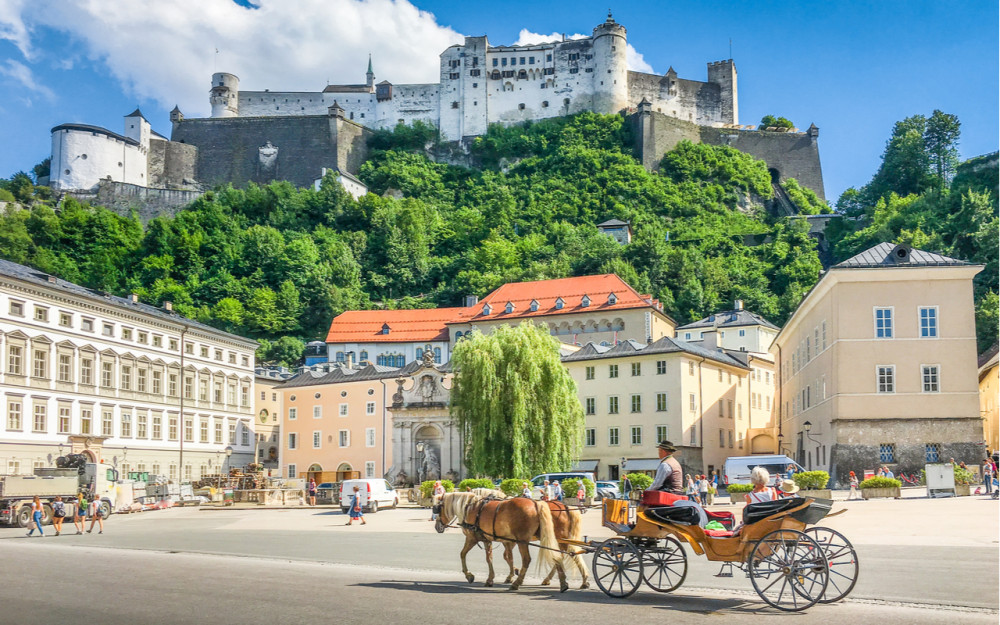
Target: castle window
{"type": "Point", "coordinates": [612, 299]}
{"type": "Point", "coordinates": [531, 60]}
{"type": "Point", "coordinates": [548, 71]}
{"type": "Point", "coordinates": [522, 75]}
{"type": "Point", "coordinates": [454, 104]}
{"type": "Point", "coordinates": [494, 62]}
{"type": "Point", "coordinates": [487, 309]}
{"type": "Point", "coordinates": [548, 57]}
{"type": "Point", "coordinates": [475, 61]}
{"type": "Point", "coordinates": [543, 86]}
{"type": "Point", "coordinates": [575, 56]}
{"type": "Point", "coordinates": [574, 70]}
{"type": "Point", "coordinates": [545, 103]}
{"type": "Point", "coordinates": [520, 106]}
{"type": "Point", "coordinates": [66, 172]}
{"type": "Point", "coordinates": [83, 156]}
{"type": "Point", "coordinates": [589, 70]}
{"type": "Point", "coordinates": [522, 60]}
{"type": "Point", "coordinates": [503, 62]}
{"type": "Point", "coordinates": [362, 116]}
{"type": "Point", "coordinates": [119, 164]}
{"type": "Point", "coordinates": [560, 303]}
{"type": "Point", "coordinates": [475, 85]}
{"type": "Point", "coordinates": [585, 301]}
{"type": "Point", "coordinates": [474, 72]}
{"type": "Point", "coordinates": [352, 115]}
{"type": "Point", "coordinates": [454, 75]}
{"type": "Point", "coordinates": [454, 63]}
{"type": "Point", "coordinates": [534, 305]}
{"type": "Point", "coordinates": [509, 308]}
{"type": "Point", "coordinates": [495, 75]}
{"type": "Point", "coordinates": [565, 101]}
{"type": "Point", "coordinates": [508, 74]}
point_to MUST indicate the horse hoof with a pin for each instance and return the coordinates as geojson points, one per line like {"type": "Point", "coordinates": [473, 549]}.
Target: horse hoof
{"type": "Point", "coordinates": [546, 582]}
{"type": "Point", "coordinates": [513, 587]}
{"type": "Point", "coordinates": [584, 585]}
{"type": "Point", "coordinates": [564, 588]}
{"type": "Point", "coordinates": [470, 577]}
{"type": "Point", "coordinates": [489, 583]}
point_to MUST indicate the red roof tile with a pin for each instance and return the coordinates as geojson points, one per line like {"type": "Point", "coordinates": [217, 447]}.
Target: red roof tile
{"type": "Point", "coordinates": [365, 326]}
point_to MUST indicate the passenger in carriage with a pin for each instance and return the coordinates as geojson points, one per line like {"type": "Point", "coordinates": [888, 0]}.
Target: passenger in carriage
{"type": "Point", "coordinates": [759, 477]}
{"type": "Point", "coordinates": [788, 488]}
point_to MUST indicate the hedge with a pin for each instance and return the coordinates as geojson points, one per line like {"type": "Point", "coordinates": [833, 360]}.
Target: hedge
{"type": "Point", "coordinates": [811, 480]}
{"type": "Point", "coordinates": [427, 488]}
{"type": "Point", "coordinates": [571, 485]}
{"type": "Point", "coordinates": [640, 481]}
{"type": "Point", "coordinates": [470, 483]}
{"type": "Point", "coordinates": [738, 489]}
{"type": "Point", "coordinates": [964, 476]}
{"type": "Point", "coordinates": [880, 482]}
{"type": "Point", "coordinates": [512, 487]}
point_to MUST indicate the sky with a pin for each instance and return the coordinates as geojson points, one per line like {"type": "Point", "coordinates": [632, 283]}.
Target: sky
{"type": "Point", "coordinates": [853, 68]}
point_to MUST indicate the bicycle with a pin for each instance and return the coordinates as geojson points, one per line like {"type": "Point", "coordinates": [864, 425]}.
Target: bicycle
{"type": "Point", "coordinates": [909, 480]}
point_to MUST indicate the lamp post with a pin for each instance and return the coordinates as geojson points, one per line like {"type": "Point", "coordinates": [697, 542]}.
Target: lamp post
{"type": "Point", "coordinates": [229, 452]}
{"type": "Point", "coordinates": [218, 466]}
{"type": "Point", "coordinates": [781, 445]}
{"type": "Point", "coordinates": [420, 467]}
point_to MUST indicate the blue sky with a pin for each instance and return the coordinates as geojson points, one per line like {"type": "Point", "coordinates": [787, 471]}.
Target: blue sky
{"type": "Point", "coordinates": [852, 68]}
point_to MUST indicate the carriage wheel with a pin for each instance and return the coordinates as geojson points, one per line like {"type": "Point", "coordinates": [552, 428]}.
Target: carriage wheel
{"type": "Point", "coordinates": [843, 561]}
{"type": "Point", "coordinates": [664, 568]}
{"type": "Point", "coordinates": [788, 570]}
{"type": "Point", "coordinates": [617, 567]}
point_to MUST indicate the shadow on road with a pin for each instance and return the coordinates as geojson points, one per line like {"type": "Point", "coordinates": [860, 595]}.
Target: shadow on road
{"type": "Point", "coordinates": [682, 603]}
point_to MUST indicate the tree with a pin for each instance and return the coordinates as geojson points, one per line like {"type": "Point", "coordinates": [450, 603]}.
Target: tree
{"type": "Point", "coordinates": [770, 121]}
{"type": "Point", "coordinates": [516, 403]}
{"type": "Point", "coordinates": [941, 143]}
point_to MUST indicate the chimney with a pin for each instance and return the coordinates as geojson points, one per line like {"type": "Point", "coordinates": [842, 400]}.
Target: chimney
{"type": "Point", "coordinates": [134, 298]}
{"type": "Point", "coordinates": [471, 300]}
{"type": "Point", "coordinates": [710, 338]}
{"type": "Point", "coordinates": [51, 278]}
{"type": "Point", "coordinates": [739, 304]}
{"type": "Point", "coordinates": [168, 306]}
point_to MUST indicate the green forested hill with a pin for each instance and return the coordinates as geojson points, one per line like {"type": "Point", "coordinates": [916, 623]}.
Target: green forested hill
{"type": "Point", "coordinates": [277, 263]}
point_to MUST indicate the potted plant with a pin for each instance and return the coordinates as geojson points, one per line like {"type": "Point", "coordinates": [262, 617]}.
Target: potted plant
{"type": "Point", "coordinates": [427, 489]}
{"type": "Point", "coordinates": [813, 484]}
{"type": "Point", "coordinates": [964, 479]}
{"type": "Point", "coordinates": [736, 491]}
{"type": "Point", "coordinates": [572, 485]}
{"type": "Point", "coordinates": [880, 487]}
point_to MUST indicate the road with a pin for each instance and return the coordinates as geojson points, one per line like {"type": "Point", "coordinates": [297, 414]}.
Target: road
{"type": "Point", "coordinates": [304, 565]}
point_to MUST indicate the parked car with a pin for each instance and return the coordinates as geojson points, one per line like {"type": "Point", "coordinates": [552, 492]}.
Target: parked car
{"type": "Point", "coordinates": [607, 489]}
{"type": "Point", "coordinates": [325, 492]}
{"type": "Point", "coordinates": [737, 468]}
{"type": "Point", "coordinates": [374, 494]}
{"type": "Point", "coordinates": [538, 482]}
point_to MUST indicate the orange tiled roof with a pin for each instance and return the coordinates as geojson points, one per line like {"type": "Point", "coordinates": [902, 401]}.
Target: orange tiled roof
{"type": "Point", "coordinates": [365, 326]}
{"type": "Point", "coordinates": [570, 290]}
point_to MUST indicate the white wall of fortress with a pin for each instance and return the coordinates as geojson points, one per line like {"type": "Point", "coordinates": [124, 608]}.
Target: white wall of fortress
{"type": "Point", "coordinates": [80, 158]}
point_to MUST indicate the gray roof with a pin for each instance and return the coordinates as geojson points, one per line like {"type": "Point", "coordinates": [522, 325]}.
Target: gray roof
{"type": "Point", "coordinates": [27, 274]}
{"type": "Point", "coordinates": [345, 374]}
{"type": "Point", "coordinates": [612, 223]}
{"type": "Point", "coordinates": [95, 129]}
{"type": "Point", "coordinates": [882, 255]}
{"type": "Point", "coordinates": [728, 319]}
{"type": "Point", "coordinates": [350, 176]}
{"type": "Point", "coordinates": [665, 345]}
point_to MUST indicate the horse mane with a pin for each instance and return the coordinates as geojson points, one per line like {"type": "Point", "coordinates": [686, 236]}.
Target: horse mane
{"type": "Point", "coordinates": [489, 493]}
{"type": "Point", "coordinates": [454, 505]}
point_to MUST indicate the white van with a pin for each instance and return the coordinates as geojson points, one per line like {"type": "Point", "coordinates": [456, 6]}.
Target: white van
{"type": "Point", "coordinates": [373, 494]}
{"type": "Point", "coordinates": [538, 482]}
{"type": "Point", "coordinates": [737, 468]}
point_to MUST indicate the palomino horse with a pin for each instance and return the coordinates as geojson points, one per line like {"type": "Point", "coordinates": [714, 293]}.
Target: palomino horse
{"type": "Point", "coordinates": [567, 524]}
{"type": "Point", "coordinates": [510, 522]}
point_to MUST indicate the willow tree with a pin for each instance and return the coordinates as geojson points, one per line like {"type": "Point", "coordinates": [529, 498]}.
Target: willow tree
{"type": "Point", "coordinates": [516, 403]}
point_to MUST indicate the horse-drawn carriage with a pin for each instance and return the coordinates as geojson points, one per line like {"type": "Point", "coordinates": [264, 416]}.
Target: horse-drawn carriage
{"type": "Point", "coordinates": [791, 566]}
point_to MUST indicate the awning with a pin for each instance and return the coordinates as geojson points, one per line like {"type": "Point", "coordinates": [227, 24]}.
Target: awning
{"type": "Point", "coordinates": [585, 465]}
{"type": "Point", "coordinates": [642, 464]}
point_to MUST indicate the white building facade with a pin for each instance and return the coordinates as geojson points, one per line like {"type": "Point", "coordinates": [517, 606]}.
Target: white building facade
{"type": "Point", "coordinates": [128, 384]}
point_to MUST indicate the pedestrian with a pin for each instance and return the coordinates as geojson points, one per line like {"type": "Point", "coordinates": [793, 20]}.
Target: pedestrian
{"type": "Point", "coordinates": [790, 472]}
{"type": "Point", "coordinates": [312, 491]}
{"type": "Point", "coordinates": [853, 481]}
{"type": "Point", "coordinates": [36, 517]}
{"type": "Point", "coordinates": [703, 489]}
{"type": "Point", "coordinates": [761, 492]}
{"type": "Point", "coordinates": [692, 489]}
{"type": "Point", "coordinates": [96, 516]}
{"type": "Point", "coordinates": [557, 491]}
{"type": "Point", "coordinates": [80, 512]}
{"type": "Point", "coordinates": [547, 491]}
{"type": "Point", "coordinates": [888, 473]}
{"type": "Point", "coordinates": [581, 494]}
{"type": "Point", "coordinates": [354, 507]}
{"type": "Point", "coordinates": [526, 490]}
{"type": "Point", "coordinates": [988, 475]}
{"type": "Point", "coordinates": [58, 514]}
{"type": "Point", "coordinates": [436, 494]}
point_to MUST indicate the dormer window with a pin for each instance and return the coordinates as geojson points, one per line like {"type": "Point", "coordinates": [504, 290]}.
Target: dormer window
{"type": "Point", "coordinates": [560, 303]}
{"type": "Point", "coordinates": [585, 301]}
{"type": "Point", "coordinates": [385, 328]}
{"type": "Point", "coordinates": [612, 299]}
{"type": "Point", "coordinates": [534, 305]}
{"type": "Point", "coordinates": [487, 309]}
{"type": "Point", "coordinates": [509, 308]}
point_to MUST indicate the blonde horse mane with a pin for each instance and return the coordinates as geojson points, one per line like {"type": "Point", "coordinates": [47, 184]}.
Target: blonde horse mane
{"type": "Point", "coordinates": [489, 493]}
{"type": "Point", "coordinates": [454, 505]}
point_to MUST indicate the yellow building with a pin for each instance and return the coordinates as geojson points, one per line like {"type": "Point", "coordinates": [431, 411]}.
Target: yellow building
{"type": "Point", "coordinates": [269, 415]}
{"type": "Point", "coordinates": [989, 383]}
{"type": "Point", "coordinates": [877, 365]}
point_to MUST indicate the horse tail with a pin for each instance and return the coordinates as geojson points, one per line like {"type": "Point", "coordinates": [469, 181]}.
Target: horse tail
{"type": "Point", "coordinates": [549, 555]}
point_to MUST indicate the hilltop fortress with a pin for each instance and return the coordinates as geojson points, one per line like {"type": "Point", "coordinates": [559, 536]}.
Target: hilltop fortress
{"type": "Point", "coordinates": [260, 136]}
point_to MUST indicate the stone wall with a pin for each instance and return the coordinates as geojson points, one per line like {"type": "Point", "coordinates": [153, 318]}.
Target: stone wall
{"type": "Point", "coordinates": [172, 165]}
{"type": "Point", "coordinates": [148, 203]}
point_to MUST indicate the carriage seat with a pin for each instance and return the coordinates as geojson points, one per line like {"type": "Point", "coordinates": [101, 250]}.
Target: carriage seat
{"type": "Point", "coordinates": [754, 512]}
{"type": "Point", "coordinates": [719, 533]}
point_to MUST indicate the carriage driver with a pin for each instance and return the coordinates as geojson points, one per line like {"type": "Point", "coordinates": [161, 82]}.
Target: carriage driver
{"type": "Point", "coordinates": [669, 475]}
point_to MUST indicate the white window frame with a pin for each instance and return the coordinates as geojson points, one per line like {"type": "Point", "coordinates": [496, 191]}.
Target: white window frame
{"type": "Point", "coordinates": [293, 441]}
{"type": "Point", "coordinates": [370, 408]}
{"type": "Point", "coordinates": [664, 405]}
{"type": "Point", "coordinates": [663, 430]}
{"type": "Point", "coordinates": [343, 410]}
{"type": "Point", "coordinates": [342, 436]}
{"type": "Point", "coordinates": [370, 439]}
{"type": "Point", "coordinates": [317, 439]}
{"type": "Point", "coordinates": [937, 378]}
{"type": "Point", "coordinates": [291, 471]}
{"type": "Point", "coordinates": [878, 382]}
{"type": "Point", "coordinates": [693, 402]}
{"type": "Point", "coordinates": [293, 414]}
{"type": "Point", "coordinates": [937, 322]}
{"type": "Point", "coordinates": [369, 469]}
{"type": "Point", "coordinates": [590, 437]}
{"type": "Point", "coordinates": [614, 434]}
{"type": "Point", "coordinates": [892, 323]}
{"type": "Point", "coordinates": [635, 435]}
{"type": "Point", "coordinates": [317, 412]}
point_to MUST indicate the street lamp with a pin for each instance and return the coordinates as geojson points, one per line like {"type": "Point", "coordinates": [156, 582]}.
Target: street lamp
{"type": "Point", "coordinates": [808, 426]}
{"type": "Point", "coordinates": [229, 452]}
{"type": "Point", "coordinates": [781, 447]}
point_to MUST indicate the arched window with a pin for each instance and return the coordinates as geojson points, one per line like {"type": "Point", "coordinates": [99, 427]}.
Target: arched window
{"type": "Point", "coordinates": [458, 335]}
{"type": "Point", "coordinates": [420, 353]}
{"type": "Point", "coordinates": [522, 75]}
{"type": "Point", "coordinates": [495, 74]}
{"type": "Point", "coordinates": [437, 355]}
{"type": "Point", "coordinates": [364, 355]}
{"type": "Point", "coordinates": [400, 361]}
{"type": "Point", "coordinates": [340, 356]}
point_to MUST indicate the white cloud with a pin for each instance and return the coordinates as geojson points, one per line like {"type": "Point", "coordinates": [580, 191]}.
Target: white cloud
{"type": "Point", "coordinates": [22, 74]}
{"type": "Point", "coordinates": [166, 51]}
{"type": "Point", "coordinates": [633, 59]}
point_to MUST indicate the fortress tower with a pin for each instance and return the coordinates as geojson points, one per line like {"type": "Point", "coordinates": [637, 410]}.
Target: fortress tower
{"type": "Point", "coordinates": [723, 73]}
{"type": "Point", "coordinates": [225, 95]}
{"type": "Point", "coordinates": [610, 67]}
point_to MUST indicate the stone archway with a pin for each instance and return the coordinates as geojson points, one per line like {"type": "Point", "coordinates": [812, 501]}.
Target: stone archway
{"type": "Point", "coordinates": [344, 466]}
{"type": "Point", "coordinates": [427, 453]}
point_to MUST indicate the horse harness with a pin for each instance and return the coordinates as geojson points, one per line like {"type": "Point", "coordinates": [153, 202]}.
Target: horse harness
{"type": "Point", "coordinates": [483, 535]}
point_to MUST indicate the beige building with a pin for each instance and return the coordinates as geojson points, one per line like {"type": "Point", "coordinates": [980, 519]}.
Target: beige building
{"type": "Point", "coordinates": [699, 396]}
{"type": "Point", "coordinates": [269, 414]}
{"type": "Point", "coordinates": [739, 330]}
{"type": "Point", "coordinates": [877, 366]}
{"type": "Point", "coordinates": [989, 386]}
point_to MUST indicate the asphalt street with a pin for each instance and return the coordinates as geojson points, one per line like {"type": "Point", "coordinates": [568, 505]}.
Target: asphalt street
{"type": "Point", "coordinates": [304, 565]}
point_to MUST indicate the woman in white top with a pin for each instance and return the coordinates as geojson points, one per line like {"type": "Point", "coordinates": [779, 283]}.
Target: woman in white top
{"type": "Point", "coordinates": [761, 492]}
{"type": "Point", "coordinates": [36, 517]}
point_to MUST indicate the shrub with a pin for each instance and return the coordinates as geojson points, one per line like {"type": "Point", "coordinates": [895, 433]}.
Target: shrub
{"type": "Point", "coordinates": [512, 487]}
{"type": "Point", "coordinates": [640, 481]}
{"type": "Point", "coordinates": [811, 480]}
{"type": "Point", "coordinates": [571, 485]}
{"type": "Point", "coordinates": [881, 482]}
{"type": "Point", "coordinates": [964, 476]}
{"type": "Point", "coordinates": [426, 488]}
{"type": "Point", "coordinates": [739, 489]}
{"type": "Point", "coordinates": [470, 483]}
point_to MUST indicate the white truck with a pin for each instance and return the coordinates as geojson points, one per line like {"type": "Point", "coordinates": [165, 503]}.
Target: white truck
{"type": "Point", "coordinates": [18, 491]}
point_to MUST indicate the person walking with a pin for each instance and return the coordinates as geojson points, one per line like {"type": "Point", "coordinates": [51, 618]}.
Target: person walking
{"type": "Point", "coordinates": [557, 491]}
{"type": "Point", "coordinates": [36, 517]}
{"type": "Point", "coordinates": [581, 494]}
{"type": "Point", "coordinates": [58, 514]}
{"type": "Point", "coordinates": [692, 489]}
{"type": "Point", "coordinates": [79, 512]}
{"type": "Point", "coordinates": [312, 491]}
{"type": "Point", "coordinates": [703, 489]}
{"type": "Point", "coordinates": [436, 494]}
{"type": "Point", "coordinates": [354, 507]}
{"type": "Point", "coordinates": [988, 475]}
{"type": "Point", "coordinates": [96, 516]}
{"type": "Point", "coordinates": [853, 481]}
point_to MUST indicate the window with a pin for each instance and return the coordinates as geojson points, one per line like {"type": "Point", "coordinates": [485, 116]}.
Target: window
{"type": "Point", "coordinates": [126, 334]}
{"type": "Point", "coordinates": [370, 468]}
{"type": "Point", "coordinates": [203, 351]}
{"type": "Point", "coordinates": [13, 415]}
{"type": "Point", "coordinates": [317, 412]}
{"type": "Point", "coordinates": [370, 408]}
{"type": "Point", "coordinates": [65, 368]}
{"type": "Point", "coordinates": [218, 431]}
{"type": "Point", "coordinates": [107, 374]}
{"type": "Point", "coordinates": [590, 437]}
{"type": "Point", "coordinates": [343, 410]}
{"type": "Point", "coordinates": [589, 373]}
{"type": "Point", "coordinates": [636, 403]}
{"type": "Point", "coordinates": [317, 439]}
{"type": "Point", "coordinates": [157, 340]}
{"type": "Point", "coordinates": [41, 314]}
{"type": "Point", "coordinates": [886, 378]}
{"type": "Point", "coordinates": [217, 393]}
{"type": "Point", "coordinates": [691, 368]}
{"type": "Point", "coordinates": [232, 358]}
{"type": "Point", "coordinates": [636, 368]}
{"type": "Point", "coordinates": [157, 382]}
{"type": "Point", "coordinates": [932, 452]}
{"type": "Point", "coordinates": [928, 322]}
{"type": "Point", "coordinates": [126, 380]}
{"type": "Point", "coordinates": [930, 378]}
{"type": "Point", "coordinates": [17, 308]}
{"type": "Point", "coordinates": [661, 402]}
{"type": "Point", "coordinates": [293, 414]}
{"type": "Point", "coordinates": [729, 409]}
{"type": "Point", "coordinates": [883, 323]}
{"type": "Point", "coordinates": [15, 360]}
{"type": "Point", "coordinates": [202, 390]}
{"type": "Point", "coordinates": [232, 432]}
{"type": "Point", "coordinates": [291, 470]}
{"type": "Point", "coordinates": [141, 380]}
{"type": "Point", "coordinates": [693, 403]}
{"type": "Point", "coordinates": [730, 439]}
{"type": "Point", "coordinates": [344, 437]}
{"type": "Point", "coordinates": [887, 453]}
{"type": "Point", "coordinates": [721, 408]}
{"type": "Point", "coordinates": [613, 404]}
{"type": "Point", "coordinates": [141, 422]}
{"type": "Point", "coordinates": [662, 433]}
{"type": "Point", "coordinates": [173, 345]}
{"type": "Point", "coordinates": [40, 366]}
{"type": "Point", "coordinates": [612, 371]}
{"type": "Point", "coordinates": [590, 406]}
{"type": "Point", "coordinates": [126, 425]}
{"type": "Point", "coordinates": [722, 437]}
{"type": "Point", "coordinates": [612, 436]}
{"type": "Point", "coordinates": [157, 427]}
{"type": "Point", "coordinates": [293, 440]}
{"type": "Point", "coordinates": [369, 437]}
{"type": "Point", "coordinates": [661, 367]}
{"type": "Point", "coordinates": [822, 327]}
{"type": "Point", "coordinates": [143, 337]}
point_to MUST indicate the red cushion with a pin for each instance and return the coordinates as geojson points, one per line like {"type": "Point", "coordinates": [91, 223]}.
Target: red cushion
{"type": "Point", "coordinates": [719, 533]}
{"type": "Point", "coordinates": [659, 498]}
